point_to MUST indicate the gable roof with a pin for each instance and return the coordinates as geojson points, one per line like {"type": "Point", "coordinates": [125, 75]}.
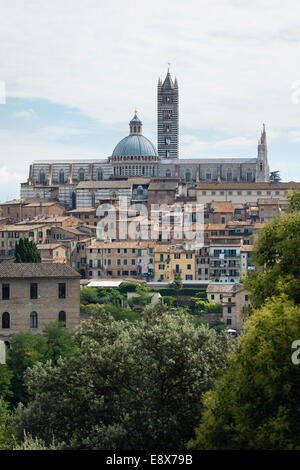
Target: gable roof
{"type": "Point", "coordinates": [36, 270]}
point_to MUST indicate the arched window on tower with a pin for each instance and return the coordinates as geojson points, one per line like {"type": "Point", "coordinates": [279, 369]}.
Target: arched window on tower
{"type": "Point", "coordinates": [93, 198]}
{"type": "Point", "coordinates": [168, 172]}
{"type": "Point", "coordinates": [61, 177]}
{"type": "Point", "coordinates": [188, 176]}
{"type": "Point", "coordinates": [249, 176]}
{"type": "Point", "coordinates": [5, 320]}
{"type": "Point", "coordinates": [99, 175]}
{"type": "Point", "coordinates": [33, 320]}
{"type": "Point", "coordinates": [62, 318]}
{"type": "Point", "coordinates": [229, 175]}
{"type": "Point", "coordinates": [261, 166]}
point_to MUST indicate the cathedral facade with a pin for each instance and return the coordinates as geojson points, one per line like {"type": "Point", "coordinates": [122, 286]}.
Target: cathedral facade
{"type": "Point", "coordinates": [135, 156]}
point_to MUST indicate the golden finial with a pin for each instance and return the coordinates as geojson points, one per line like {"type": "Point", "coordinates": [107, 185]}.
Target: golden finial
{"type": "Point", "coordinates": [135, 111]}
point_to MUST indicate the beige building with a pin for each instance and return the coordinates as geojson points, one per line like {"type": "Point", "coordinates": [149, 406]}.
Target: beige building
{"type": "Point", "coordinates": [243, 192]}
{"type": "Point", "coordinates": [54, 253]}
{"type": "Point", "coordinates": [233, 298]}
{"type": "Point", "coordinates": [36, 294]}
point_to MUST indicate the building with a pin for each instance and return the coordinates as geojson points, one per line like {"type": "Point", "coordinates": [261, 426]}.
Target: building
{"type": "Point", "coordinates": [79, 183]}
{"type": "Point", "coordinates": [234, 300]}
{"type": "Point", "coordinates": [36, 294]}
{"type": "Point", "coordinates": [172, 260]}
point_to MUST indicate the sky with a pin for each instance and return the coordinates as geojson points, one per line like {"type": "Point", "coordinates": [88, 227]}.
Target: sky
{"type": "Point", "coordinates": [72, 73]}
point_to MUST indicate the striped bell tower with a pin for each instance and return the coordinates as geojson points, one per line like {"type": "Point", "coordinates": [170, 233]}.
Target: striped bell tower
{"type": "Point", "coordinates": [167, 117]}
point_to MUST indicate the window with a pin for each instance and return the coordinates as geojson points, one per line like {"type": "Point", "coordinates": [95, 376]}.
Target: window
{"type": "Point", "coordinates": [81, 174]}
{"type": "Point", "coordinates": [33, 320]}
{"type": "Point", "coordinates": [246, 298]}
{"type": "Point", "coordinates": [62, 290]}
{"type": "Point", "coordinates": [5, 320]}
{"type": "Point", "coordinates": [212, 296]}
{"type": "Point", "coordinates": [62, 318]}
{"type": "Point", "coordinates": [33, 290]}
{"type": "Point", "coordinates": [61, 177]}
{"type": "Point", "coordinates": [5, 292]}
{"type": "Point", "coordinates": [228, 309]}
{"type": "Point", "coordinates": [228, 321]}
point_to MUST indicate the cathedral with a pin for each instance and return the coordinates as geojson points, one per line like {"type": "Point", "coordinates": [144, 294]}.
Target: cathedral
{"type": "Point", "coordinates": [135, 159]}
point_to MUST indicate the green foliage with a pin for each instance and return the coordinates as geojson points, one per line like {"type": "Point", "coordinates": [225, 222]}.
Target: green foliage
{"type": "Point", "coordinates": [177, 282]}
{"type": "Point", "coordinates": [5, 382]}
{"type": "Point", "coordinates": [60, 342]}
{"type": "Point", "coordinates": [129, 385]}
{"type": "Point", "coordinates": [277, 261]}
{"type": "Point", "coordinates": [169, 301]}
{"type": "Point", "coordinates": [275, 176]}
{"type": "Point", "coordinates": [294, 201]}
{"type": "Point", "coordinates": [5, 427]}
{"type": "Point", "coordinates": [26, 251]}
{"type": "Point", "coordinates": [29, 443]}
{"type": "Point", "coordinates": [185, 291]}
{"type": "Point", "coordinates": [255, 404]}
{"type": "Point", "coordinates": [25, 351]}
{"type": "Point", "coordinates": [128, 287]}
{"type": "Point", "coordinates": [208, 307]}
{"type": "Point", "coordinates": [88, 295]}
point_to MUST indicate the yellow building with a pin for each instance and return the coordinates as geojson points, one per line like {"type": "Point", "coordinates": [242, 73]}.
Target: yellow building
{"type": "Point", "coordinates": [172, 260]}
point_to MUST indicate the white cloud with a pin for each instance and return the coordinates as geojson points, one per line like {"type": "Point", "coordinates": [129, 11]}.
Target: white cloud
{"type": "Point", "coordinates": [193, 147]}
{"type": "Point", "coordinates": [10, 183]}
{"type": "Point", "coordinates": [235, 61]}
{"type": "Point", "coordinates": [26, 113]}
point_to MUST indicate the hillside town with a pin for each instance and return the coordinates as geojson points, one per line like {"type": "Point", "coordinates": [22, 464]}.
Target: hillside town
{"type": "Point", "coordinates": [131, 290]}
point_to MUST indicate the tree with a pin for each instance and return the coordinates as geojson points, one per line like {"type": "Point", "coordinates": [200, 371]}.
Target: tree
{"type": "Point", "coordinates": [129, 386]}
{"type": "Point", "coordinates": [60, 342]}
{"type": "Point", "coordinates": [255, 404]}
{"type": "Point", "coordinates": [5, 428]}
{"type": "Point", "coordinates": [88, 295]}
{"type": "Point", "coordinates": [277, 261]}
{"type": "Point", "coordinates": [294, 201]}
{"type": "Point", "coordinates": [25, 351]}
{"type": "Point", "coordinates": [26, 251]}
{"type": "Point", "coordinates": [177, 285]}
{"type": "Point", "coordinates": [5, 382]}
{"type": "Point", "coordinates": [275, 176]}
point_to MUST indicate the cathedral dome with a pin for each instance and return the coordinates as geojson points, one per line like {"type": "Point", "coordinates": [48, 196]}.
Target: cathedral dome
{"type": "Point", "coordinates": [135, 144]}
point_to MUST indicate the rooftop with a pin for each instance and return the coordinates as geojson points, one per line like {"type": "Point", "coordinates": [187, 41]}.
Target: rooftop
{"type": "Point", "coordinates": [36, 270]}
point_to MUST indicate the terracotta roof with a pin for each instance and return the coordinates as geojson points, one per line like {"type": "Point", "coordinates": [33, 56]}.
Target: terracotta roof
{"type": "Point", "coordinates": [20, 228]}
{"type": "Point", "coordinates": [48, 246]}
{"type": "Point", "coordinates": [247, 247]}
{"type": "Point", "coordinates": [35, 270]}
{"type": "Point", "coordinates": [220, 287]}
{"type": "Point", "coordinates": [222, 206]}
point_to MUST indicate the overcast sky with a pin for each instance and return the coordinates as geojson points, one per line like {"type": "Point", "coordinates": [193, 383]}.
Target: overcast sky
{"type": "Point", "coordinates": [74, 71]}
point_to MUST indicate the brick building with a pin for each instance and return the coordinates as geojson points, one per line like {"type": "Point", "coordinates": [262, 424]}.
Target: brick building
{"type": "Point", "coordinates": [36, 294]}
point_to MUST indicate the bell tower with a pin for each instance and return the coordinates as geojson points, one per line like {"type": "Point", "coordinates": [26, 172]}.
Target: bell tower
{"type": "Point", "coordinates": [167, 117]}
